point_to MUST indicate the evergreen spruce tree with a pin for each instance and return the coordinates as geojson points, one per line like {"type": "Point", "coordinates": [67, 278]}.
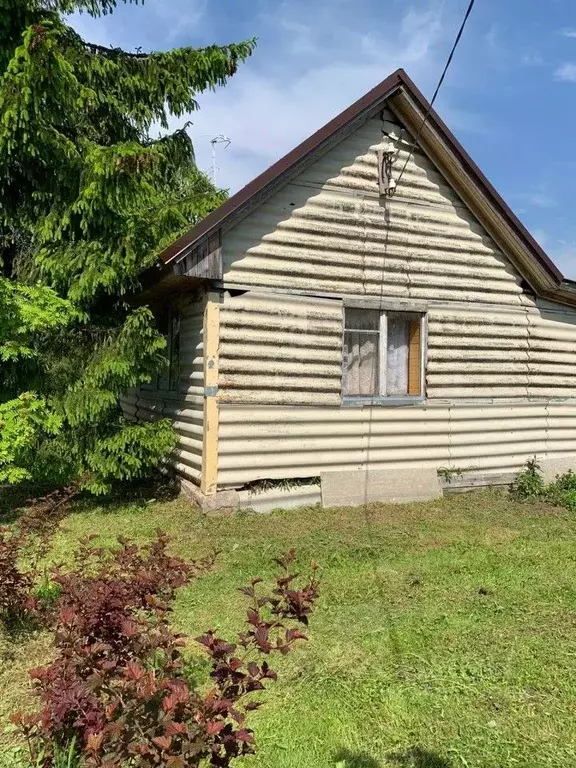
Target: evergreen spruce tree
{"type": "Point", "coordinates": [87, 201]}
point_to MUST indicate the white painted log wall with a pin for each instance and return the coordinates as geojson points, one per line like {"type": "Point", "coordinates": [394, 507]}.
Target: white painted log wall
{"type": "Point", "coordinates": [501, 384]}
{"type": "Point", "coordinates": [329, 231]}
{"type": "Point", "coordinates": [286, 442]}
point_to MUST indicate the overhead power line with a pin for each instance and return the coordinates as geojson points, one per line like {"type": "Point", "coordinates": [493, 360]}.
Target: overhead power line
{"type": "Point", "coordinates": [368, 522]}
{"type": "Point", "coordinates": [438, 87]}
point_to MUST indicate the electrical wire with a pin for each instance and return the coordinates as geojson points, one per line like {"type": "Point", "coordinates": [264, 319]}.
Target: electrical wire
{"type": "Point", "coordinates": [367, 514]}
{"type": "Point", "coordinates": [438, 87]}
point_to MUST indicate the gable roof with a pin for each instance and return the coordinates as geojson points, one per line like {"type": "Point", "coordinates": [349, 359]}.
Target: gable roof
{"type": "Point", "coordinates": [442, 147]}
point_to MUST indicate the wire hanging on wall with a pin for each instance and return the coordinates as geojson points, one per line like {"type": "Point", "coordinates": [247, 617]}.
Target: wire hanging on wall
{"type": "Point", "coordinates": [388, 186]}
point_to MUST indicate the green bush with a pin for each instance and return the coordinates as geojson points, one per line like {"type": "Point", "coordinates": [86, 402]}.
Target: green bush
{"type": "Point", "coordinates": [563, 490]}
{"type": "Point", "coordinates": [529, 485]}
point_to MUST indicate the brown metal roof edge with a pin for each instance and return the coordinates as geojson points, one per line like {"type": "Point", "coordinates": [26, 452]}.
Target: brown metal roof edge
{"type": "Point", "coordinates": [382, 91]}
{"type": "Point", "coordinates": [481, 180]}
{"type": "Point", "coordinates": [214, 220]}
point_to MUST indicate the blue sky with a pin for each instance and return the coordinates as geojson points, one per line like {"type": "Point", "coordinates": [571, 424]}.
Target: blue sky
{"type": "Point", "coordinates": [510, 95]}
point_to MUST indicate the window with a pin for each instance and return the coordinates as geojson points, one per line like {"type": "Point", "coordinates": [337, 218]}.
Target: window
{"type": "Point", "coordinates": [383, 354]}
{"type": "Point", "coordinates": [169, 327]}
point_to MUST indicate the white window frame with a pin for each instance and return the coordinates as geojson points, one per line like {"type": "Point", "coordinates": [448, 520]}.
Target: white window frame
{"type": "Point", "coordinates": [380, 398]}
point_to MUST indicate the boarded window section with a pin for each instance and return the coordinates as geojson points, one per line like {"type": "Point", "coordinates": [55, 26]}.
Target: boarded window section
{"type": "Point", "coordinates": [382, 354]}
{"type": "Point", "coordinates": [415, 357]}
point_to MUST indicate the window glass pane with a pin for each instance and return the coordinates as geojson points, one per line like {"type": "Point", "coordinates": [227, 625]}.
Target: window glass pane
{"type": "Point", "coordinates": [362, 319]}
{"type": "Point", "coordinates": [360, 364]}
{"type": "Point", "coordinates": [397, 353]}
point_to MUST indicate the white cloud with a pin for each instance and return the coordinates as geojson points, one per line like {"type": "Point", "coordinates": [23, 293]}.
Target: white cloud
{"type": "Point", "coordinates": [566, 72]}
{"type": "Point", "coordinates": [538, 198]}
{"type": "Point", "coordinates": [312, 61]}
{"type": "Point", "coordinates": [567, 32]}
{"type": "Point", "coordinates": [419, 30]}
{"type": "Point", "coordinates": [266, 113]}
{"type": "Point", "coordinates": [467, 121]}
{"type": "Point", "coordinates": [89, 28]}
{"type": "Point", "coordinates": [564, 256]}
{"type": "Point", "coordinates": [266, 118]}
{"type": "Point", "coordinates": [493, 38]}
{"type": "Point", "coordinates": [179, 17]}
{"type": "Point", "coordinates": [562, 251]}
{"type": "Point", "coordinates": [153, 26]}
{"type": "Point", "coordinates": [541, 236]}
{"type": "Point", "coordinates": [532, 60]}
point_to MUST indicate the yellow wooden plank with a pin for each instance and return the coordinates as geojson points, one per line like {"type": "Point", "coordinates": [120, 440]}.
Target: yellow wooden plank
{"type": "Point", "coordinates": [414, 358]}
{"type": "Point", "coordinates": [209, 481]}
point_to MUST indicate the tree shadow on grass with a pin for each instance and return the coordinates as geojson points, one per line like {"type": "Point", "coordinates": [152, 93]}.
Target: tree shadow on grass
{"type": "Point", "coordinates": [417, 757]}
{"type": "Point", "coordinates": [14, 499]}
{"type": "Point", "coordinates": [347, 758]}
{"type": "Point", "coordinates": [135, 493]}
{"type": "Point", "coordinates": [17, 631]}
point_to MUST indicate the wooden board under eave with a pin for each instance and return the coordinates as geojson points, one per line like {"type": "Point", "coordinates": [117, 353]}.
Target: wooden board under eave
{"type": "Point", "coordinates": [415, 358]}
{"type": "Point", "coordinates": [205, 260]}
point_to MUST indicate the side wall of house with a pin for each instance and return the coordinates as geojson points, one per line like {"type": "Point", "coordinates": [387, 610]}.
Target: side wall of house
{"type": "Point", "coordinates": [501, 366]}
{"type": "Point", "coordinates": [185, 406]}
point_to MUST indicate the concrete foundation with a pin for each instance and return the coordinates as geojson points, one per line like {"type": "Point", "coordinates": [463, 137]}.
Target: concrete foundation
{"type": "Point", "coordinates": [230, 501]}
{"type": "Point", "coordinates": [221, 503]}
{"type": "Point", "coordinates": [358, 487]}
{"type": "Point", "coordinates": [552, 467]}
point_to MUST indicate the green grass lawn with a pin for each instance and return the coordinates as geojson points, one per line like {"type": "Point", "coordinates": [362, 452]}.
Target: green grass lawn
{"type": "Point", "coordinates": [445, 634]}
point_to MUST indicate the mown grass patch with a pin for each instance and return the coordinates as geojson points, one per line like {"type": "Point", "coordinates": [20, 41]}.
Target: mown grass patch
{"type": "Point", "coordinates": [445, 634]}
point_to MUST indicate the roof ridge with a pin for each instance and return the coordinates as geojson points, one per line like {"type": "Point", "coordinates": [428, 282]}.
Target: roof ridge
{"type": "Point", "coordinates": [278, 169]}
{"type": "Point", "coordinates": [267, 182]}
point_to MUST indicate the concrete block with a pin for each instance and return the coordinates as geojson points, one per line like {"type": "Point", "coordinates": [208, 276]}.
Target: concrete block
{"type": "Point", "coordinates": [281, 498]}
{"type": "Point", "coordinates": [557, 466]}
{"type": "Point", "coordinates": [222, 503]}
{"type": "Point", "coordinates": [356, 487]}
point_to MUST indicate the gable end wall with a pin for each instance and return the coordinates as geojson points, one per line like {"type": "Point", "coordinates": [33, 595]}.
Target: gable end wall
{"type": "Point", "coordinates": [501, 367]}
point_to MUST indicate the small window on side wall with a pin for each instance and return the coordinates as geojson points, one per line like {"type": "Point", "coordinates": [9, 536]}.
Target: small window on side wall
{"type": "Point", "coordinates": [383, 356]}
{"type": "Point", "coordinates": [169, 327]}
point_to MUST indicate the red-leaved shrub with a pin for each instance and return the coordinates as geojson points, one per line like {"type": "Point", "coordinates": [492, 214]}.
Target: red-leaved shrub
{"type": "Point", "coordinates": [16, 581]}
{"type": "Point", "coordinates": [119, 688]}
{"type": "Point", "coordinates": [22, 548]}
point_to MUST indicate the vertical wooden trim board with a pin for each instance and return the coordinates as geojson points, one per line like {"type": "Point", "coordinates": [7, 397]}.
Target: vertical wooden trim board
{"type": "Point", "coordinates": [209, 480]}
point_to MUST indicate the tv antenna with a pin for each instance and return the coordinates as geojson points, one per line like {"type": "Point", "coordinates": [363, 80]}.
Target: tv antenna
{"type": "Point", "coordinates": [220, 139]}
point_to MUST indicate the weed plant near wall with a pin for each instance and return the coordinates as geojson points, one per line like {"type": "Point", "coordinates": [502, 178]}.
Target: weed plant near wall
{"type": "Point", "coordinates": [530, 485]}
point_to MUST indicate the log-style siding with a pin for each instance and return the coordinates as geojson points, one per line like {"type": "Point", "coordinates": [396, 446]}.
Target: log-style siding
{"type": "Point", "coordinates": [184, 407]}
{"type": "Point", "coordinates": [500, 364]}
